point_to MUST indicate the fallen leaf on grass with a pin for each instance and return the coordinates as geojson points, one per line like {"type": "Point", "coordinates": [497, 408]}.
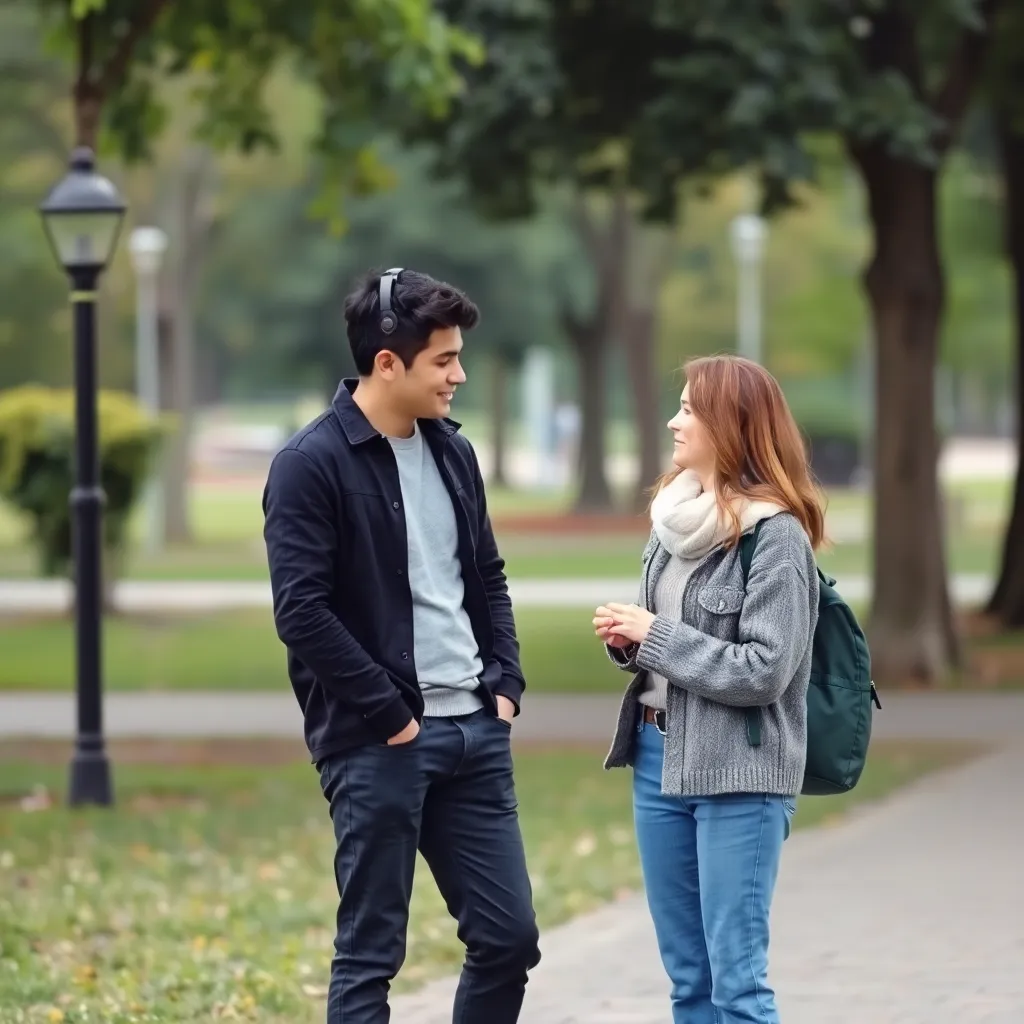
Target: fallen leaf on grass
{"type": "Point", "coordinates": [38, 800]}
{"type": "Point", "coordinates": [585, 845]}
{"type": "Point", "coordinates": [315, 991]}
{"type": "Point", "coordinates": [84, 974]}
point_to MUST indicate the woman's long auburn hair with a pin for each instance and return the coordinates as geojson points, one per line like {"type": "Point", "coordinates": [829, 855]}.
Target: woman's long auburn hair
{"type": "Point", "coordinates": [759, 451]}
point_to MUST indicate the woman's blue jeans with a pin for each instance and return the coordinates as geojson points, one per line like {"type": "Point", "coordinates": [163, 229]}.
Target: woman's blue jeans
{"type": "Point", "coordinates": [709, 866]}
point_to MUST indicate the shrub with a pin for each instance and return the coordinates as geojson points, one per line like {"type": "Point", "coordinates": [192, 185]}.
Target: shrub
{"type": "Point", "coordinates": [37, 465]}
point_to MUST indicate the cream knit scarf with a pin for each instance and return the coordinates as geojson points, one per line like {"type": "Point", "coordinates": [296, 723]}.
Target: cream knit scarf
{"type": "Point", "coordinates": [687, 522]}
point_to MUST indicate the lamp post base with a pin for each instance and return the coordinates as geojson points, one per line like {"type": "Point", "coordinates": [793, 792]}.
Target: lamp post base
{"type": "Point", "coordinates": [90, 779]}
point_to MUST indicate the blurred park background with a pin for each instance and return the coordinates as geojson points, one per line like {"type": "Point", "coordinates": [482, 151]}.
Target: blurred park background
{"type": "Point", "coordinates": [836, 193]}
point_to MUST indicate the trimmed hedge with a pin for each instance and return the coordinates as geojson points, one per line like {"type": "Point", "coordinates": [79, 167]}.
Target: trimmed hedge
{"type": "Point", "coordinates": [37, 437]}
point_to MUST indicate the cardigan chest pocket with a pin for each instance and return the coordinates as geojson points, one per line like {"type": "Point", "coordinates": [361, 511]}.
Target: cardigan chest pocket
{"type": "Point", "coordinates": [721, 600]}
{"type": "Point", "coordinates": [720, 611]}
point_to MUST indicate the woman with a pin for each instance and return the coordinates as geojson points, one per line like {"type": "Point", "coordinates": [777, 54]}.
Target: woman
{"type": "Point", "coordinates": [714, 784]}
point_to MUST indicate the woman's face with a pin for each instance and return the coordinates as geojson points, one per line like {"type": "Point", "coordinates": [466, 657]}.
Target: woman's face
{"type": "Point", "coordinates": [692, 448]}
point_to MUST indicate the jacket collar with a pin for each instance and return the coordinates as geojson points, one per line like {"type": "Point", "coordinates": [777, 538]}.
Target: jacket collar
{"type": "Point", "coordinates": [359, 429]}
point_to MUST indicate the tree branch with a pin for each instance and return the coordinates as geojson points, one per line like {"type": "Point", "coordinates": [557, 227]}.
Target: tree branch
{"type": "Point", "coordinates": [83, 83]}
{"type": "Point", "coordinates": [117, 67]}
{"type": "Point", "coordinates": [965, 67]}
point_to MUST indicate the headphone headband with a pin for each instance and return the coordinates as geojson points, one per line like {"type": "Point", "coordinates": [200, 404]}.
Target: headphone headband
{"type": "Point", "coordinates": [388, 318]}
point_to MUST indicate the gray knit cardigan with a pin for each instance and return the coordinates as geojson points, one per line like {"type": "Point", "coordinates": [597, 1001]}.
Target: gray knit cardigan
{"type": "Point", "coordinates": [730, 647]}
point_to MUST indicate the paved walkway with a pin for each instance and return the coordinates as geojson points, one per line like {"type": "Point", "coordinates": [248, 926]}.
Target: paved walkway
{"type": "Point", "coordinates": [911, 912]}
{"type": "Point", "coordinates": [545, 717]}
{"type": "Point", "coordinates": [168, 596]}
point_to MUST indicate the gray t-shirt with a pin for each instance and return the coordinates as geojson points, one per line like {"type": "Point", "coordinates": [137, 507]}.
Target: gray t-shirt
{"type": "Point", "coordinates": [448, 664]}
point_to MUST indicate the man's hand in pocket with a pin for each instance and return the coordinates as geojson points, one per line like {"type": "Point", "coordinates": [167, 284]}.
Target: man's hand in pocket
{"type": "Point", "coordinates": [407, 735]}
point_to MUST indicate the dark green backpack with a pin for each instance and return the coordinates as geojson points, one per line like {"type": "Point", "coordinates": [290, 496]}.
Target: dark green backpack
{"type": "Point", "coordinates": [840, 694]}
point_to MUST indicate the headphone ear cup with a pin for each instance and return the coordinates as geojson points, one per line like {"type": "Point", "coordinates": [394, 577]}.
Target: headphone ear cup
{"type": "Point", "coordinates": [388, 320]}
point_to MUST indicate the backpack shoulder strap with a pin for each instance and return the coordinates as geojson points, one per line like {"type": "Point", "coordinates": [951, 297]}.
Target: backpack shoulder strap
{"type": "Point", "coordinates": [747, 544]}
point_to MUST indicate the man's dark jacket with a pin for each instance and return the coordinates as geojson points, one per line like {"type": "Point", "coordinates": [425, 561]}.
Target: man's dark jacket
{"type": "Point", "coordinates": [336, 544]}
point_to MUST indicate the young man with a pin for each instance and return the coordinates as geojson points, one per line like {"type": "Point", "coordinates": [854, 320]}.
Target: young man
{"type": "Point", "coordinates": [391, 598]}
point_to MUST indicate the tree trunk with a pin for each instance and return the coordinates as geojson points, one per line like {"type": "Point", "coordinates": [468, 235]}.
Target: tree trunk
{"type": "Point", "coordinates": [499, 418]}
{"type": "Point", "coordinates": [911, 623]}
{"type": "Point", "coordinates": [590, 345]}
{"type": "Point", "coordinates": [638, 340]}
{"type": "Point", "coordinates": [591, 340]}
{"type": "Point", "coordinates": [1007, 601]}
{"type": "Point", "coordinates": [650, 254]}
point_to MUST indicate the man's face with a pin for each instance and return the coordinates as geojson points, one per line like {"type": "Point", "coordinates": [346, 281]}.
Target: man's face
{"type": "Point", "coordinates": [425, 389]}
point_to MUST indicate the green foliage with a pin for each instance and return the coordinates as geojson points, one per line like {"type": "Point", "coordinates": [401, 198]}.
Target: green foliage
{"type": "Point", "coordinates": [276, 323]}
{"type": "Point", "coordinates": [711, 88]}
{"type": "Point", "coordinates": [363, 56]}
{"type": "Point", "coordinates": [814, 323]}
{"type": "Point", "coordinates": [37, 464]}
{"type": "Point", "coordinates": [33, 293]}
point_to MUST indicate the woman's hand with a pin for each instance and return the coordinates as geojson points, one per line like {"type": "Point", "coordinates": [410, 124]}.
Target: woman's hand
{"type": "Point", "coordinates": [603, 622]}
{"type": "Point", "coordinates": [628, 621]}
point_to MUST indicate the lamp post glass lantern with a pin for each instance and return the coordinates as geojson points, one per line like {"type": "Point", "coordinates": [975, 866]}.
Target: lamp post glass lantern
{"type": "Point", "coordinates": [82, 216]}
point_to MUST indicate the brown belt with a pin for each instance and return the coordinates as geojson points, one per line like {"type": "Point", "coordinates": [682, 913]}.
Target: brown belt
{"type": "Point", "coordinates": [655, 718]}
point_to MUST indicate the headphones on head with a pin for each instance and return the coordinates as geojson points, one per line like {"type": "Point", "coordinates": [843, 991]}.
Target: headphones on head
{"type": "Point", "coordinates": [388, 318]}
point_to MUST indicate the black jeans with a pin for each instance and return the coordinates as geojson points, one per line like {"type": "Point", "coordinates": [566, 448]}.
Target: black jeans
{"type": "Point", "coordinates": [450, 794]}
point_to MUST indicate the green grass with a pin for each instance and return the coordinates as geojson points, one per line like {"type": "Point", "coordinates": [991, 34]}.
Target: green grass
{"type": "Point", "coordinates": [970, 554]}
{"type": "Point", "coordinates": [544, 556]}
{"type": "Point", "coordinates": [231, 514]}
{"type": "Point", "coordinates": [618, 555]}
{"type": "Point", "coordinates": [541, 556]}
{"type": "Point", "coordinates": [208, 893]}
{"type": "Point", "coordinates": [240, 651]}
{"type": "Point", "coordinates": [566, 557]}
{"type": "Point", "coordinates": [228, 543]}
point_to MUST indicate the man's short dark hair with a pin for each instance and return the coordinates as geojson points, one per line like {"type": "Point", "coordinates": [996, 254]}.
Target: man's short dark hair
{"type": "Point", "coordinates": [421, 305]}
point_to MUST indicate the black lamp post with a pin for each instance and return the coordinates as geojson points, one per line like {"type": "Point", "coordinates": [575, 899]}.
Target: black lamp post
{"type": "Point", "coordinates": [82, 216]}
